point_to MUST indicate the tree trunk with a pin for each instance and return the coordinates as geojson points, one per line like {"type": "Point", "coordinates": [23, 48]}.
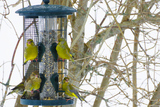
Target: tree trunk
{"type": "Point", "coordinates": [18, 104]}
{"type": "Point", "coordinates": [154, 102]}
{"type": "Point", "coordinates": [113, 59]}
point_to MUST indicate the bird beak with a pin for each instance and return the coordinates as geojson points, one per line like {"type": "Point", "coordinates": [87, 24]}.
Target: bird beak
{"type": "Point", "coordinates": [36, 76]}
{"type": "Point", "coordinates": [66, 80]}
{"type": "Point", "coordinates": [29, 42]}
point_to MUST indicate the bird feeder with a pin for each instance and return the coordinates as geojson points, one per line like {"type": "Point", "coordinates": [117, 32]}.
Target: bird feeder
{"type": "Point", "coordinates": [44, 24]}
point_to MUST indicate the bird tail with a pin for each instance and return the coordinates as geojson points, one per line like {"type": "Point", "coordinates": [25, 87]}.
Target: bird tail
{"type": "Point", "coordinates": [72, 60]}
{"type": "Point", "coordinates": [9, 93]}
{"type": "Point", "coordinates": [78, 96]}
{"type": "Point", "coordinates": [82, 99]}
{"type": "Point", "coordinates": [24, 93]}
{"type": "Point", "coordinates": [25, 62]}
{"type": "Point", "coordinates": [71, 57]}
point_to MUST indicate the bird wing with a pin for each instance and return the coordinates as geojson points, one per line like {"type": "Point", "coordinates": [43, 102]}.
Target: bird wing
{"type": "Point", "coordinates": [71, 87]}
{"type": "Point", "coordinates": [76, 94]}
{"type": "Point", "coordinates": [25, 52]}
{"type": "Point", "coordinates": [64, 45]}
{"type": "Point", "coordinates": [28, 85]}
{"type": "Point", "coordinates": [31, 52]}
{"type": "Point", "coordinates": [20, 85]}
{"type": "Point", "coordinates": [36, 83]}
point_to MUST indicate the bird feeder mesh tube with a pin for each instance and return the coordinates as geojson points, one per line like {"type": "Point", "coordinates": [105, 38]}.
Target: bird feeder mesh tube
{"type": "Point", "coordinates": [30, 33]}
{"type": "Point", "coordinates": [62, 64]}
{"type": "Point", "coordinates": [47, 66]}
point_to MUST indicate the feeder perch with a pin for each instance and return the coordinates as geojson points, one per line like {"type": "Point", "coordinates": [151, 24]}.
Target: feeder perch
{"type": "Point", "coordinates": [46, 24]}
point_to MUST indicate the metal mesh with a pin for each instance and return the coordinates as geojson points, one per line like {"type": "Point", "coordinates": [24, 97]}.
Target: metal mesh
{"type": "Point", "coordinates": [31, 33]}
{"type": "Point", "coordinates": [62, 64]}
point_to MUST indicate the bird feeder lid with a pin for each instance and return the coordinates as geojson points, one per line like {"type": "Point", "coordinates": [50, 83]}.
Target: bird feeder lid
{"type": "Point", "coordinates": [46, 10]}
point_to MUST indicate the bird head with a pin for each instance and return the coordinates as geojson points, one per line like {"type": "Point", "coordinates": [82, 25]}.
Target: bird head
{"type": "Point", "coordinates": [61, 40]}
{"type": "Point", "coordinates": [30, 42]}
{"type": "Point", "coordinates": [34, 74]}
{"type": "Point", "coordinates": [66, 79]}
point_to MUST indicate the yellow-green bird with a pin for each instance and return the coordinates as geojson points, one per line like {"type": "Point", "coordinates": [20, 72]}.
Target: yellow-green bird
{"type": "Point", "coordinates": [19, 89]}
{"type": "Point", "coordinates": [70, 90]}
{"type": "Point", "coordinates": [33, 82]}
{"type": "Point", "coordinates": [63, 50]}
{"type": "Point", "coordinates": [31, 51]}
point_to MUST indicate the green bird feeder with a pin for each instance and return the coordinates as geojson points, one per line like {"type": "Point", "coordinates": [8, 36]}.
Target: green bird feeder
{"type": "Point", "coordinates": [45, 24]}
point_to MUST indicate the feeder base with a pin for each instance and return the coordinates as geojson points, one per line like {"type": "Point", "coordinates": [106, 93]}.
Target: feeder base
{"type": "Point", "coordinates": [47, 102]}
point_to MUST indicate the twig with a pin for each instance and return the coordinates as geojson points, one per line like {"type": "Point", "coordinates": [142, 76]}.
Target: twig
{"type": "Point", "coordinates": [19, 41]}
{"type": "Point", "coordinates": [12, 66]}
{"type": "Point", "coordinates": [91, 93]}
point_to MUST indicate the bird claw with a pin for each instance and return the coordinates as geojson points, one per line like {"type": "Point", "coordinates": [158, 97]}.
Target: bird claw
{"type": "Point", "coordinates": [35, 60]}
{"type": "Point", "coordinates": [38, 90]}
{"type": "Point", "coordinates": [62, 60]}
{"type": "Point", "coordinates": [68, 99]}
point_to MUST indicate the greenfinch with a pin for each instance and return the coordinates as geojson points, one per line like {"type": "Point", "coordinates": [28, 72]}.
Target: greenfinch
{"type": "Point", "coordinates": [31, 51]}
{"type": "Point", "coordinates": [19, 89]}
{"type": "Point", "coordinates": [70, 90]}
{"type": "Point", "coordinates": [33, 82]}
{"type": "Point", "coordinates": [63, 50]}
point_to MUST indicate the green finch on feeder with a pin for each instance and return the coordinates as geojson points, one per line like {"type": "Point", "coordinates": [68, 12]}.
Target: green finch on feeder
{"type": "Point", "coordinates": [70, 90]}
{"type": "Point", "coordinates": [31, 51]}
{"type": "Point", "coordinates": [63, 50]}
{"type": "Point", "coordinates": [33, 82]}
{"type": "Point", "coordinates": [19, 89]}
